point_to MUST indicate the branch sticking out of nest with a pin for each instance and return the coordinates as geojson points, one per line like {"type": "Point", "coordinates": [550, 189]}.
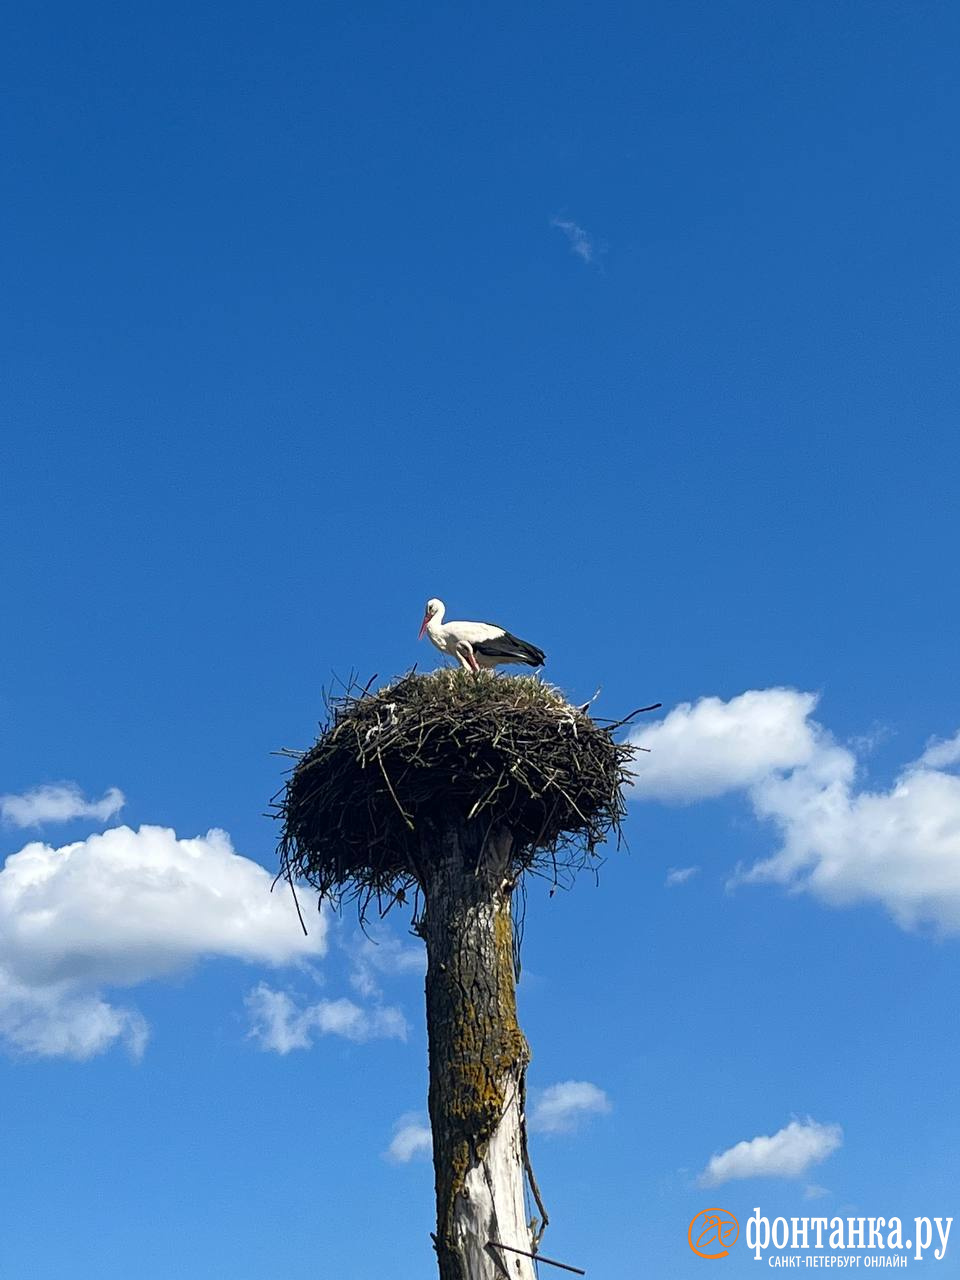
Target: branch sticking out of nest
{"type": "Point", "coordinates": [391, 769]}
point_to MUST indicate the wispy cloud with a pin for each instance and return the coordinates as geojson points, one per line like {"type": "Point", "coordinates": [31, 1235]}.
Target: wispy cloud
{"type": "Point", "coordinates": [279, 1025]}
{"type": "Point", "coordinates": [412, 1138]}
{"type": "Point", "coordinates": [679, 875]}
{"type": "Point", "coordinates": [814, 1192]}
{"type": "Point", "coordinates": [120, 908]}
{"type": "Point", "coordinates": [788, 1153]}
{"type": "Point", "coordinates": [844, 843]}
{"type": "Point", "coordinates": [560, 1108]}
{"type": "Point", "coordinates": [58, 802]}
{"type": "Point", "coordinates": [580, 241]}
{"type": "Point", "coordinates": [383, 957]}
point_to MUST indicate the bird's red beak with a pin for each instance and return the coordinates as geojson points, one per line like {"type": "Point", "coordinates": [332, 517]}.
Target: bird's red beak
{"type": "Point", "coordinates": [423, 625]}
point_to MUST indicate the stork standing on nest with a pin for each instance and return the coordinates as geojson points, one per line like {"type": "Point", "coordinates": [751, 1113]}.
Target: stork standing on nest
{"type": "Point", "coordinates": [477, 645]}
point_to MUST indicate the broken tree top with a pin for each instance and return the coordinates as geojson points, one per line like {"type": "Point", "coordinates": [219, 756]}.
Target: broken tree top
{"type": "Point", "coordinates": [391, 770]}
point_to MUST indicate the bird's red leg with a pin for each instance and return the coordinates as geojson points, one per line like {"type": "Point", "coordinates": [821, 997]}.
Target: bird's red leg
{"type": "Point", "coordinates": [467, 652]}
{"type": "Point", "coordinates": [465, 657]}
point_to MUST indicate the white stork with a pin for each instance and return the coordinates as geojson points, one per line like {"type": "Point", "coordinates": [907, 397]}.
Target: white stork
{"type": "Point", "coordinates": [476, 645]}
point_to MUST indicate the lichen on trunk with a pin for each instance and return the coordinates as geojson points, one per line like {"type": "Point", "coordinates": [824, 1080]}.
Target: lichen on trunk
{"type": "Point", "coordinates": [478, 1056]}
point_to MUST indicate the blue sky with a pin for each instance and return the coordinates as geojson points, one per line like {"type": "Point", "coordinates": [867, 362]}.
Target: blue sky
{"type": "Point", "coordinates": [631, 327]}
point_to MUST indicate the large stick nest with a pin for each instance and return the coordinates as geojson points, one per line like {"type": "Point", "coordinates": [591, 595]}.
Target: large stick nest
{"type": "Point", "coordinates": [392, 769]}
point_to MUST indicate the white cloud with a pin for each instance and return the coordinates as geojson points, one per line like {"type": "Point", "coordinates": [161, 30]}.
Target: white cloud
{"type": "Point", "coordinates": [814, 1192]}
{"type": "Point", "coordinates": [581, 243]}
{"type": "Point", "coordinates": [58, 1022]}
{"type": "Point", "coordinates": [120, 908]}
{"type": "Point", "coordinates": [58, 802]}
{"type": "Point", "coordinates": [679, 875]}
{"type": "Point", "coordinates": [412, 1138]}
{"type": "Point", "coordinates": [941, 754]}
{"type": "Point", "coordinates": [561, 1107]}
{"type": "Point", "coordinates": [899, 847]}
{"type": "Point", "coordinates": [844, 843]}
{"type": "Point", "coordinates": [785, 1154]}
{"type": "Point", "coordinates": [710, 747]}
{"type": "Point", "coordinates": [280, 1025]}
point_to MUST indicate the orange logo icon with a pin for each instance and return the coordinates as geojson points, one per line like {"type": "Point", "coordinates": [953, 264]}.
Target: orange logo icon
{"type": "Point", "coordinates": [712, 1233]}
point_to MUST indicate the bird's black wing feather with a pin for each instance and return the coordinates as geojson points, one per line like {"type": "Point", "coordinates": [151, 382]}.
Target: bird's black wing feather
{"type": "Point", "coordinates": [509, 646]}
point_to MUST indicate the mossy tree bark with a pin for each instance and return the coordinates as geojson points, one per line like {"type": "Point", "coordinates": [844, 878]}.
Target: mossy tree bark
{"type": "Point", "coordinates": [478, 1057]}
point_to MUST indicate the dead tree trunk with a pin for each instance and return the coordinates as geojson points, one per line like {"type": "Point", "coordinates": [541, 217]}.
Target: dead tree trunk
{"type": "Point", "coordinates": [375, 811]}
{"type": "Point", "coordinates": [478, 1058]}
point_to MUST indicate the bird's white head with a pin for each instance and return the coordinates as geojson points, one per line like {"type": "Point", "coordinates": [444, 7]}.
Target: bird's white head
{"type": "Point", "coordinates": [432, 609]}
